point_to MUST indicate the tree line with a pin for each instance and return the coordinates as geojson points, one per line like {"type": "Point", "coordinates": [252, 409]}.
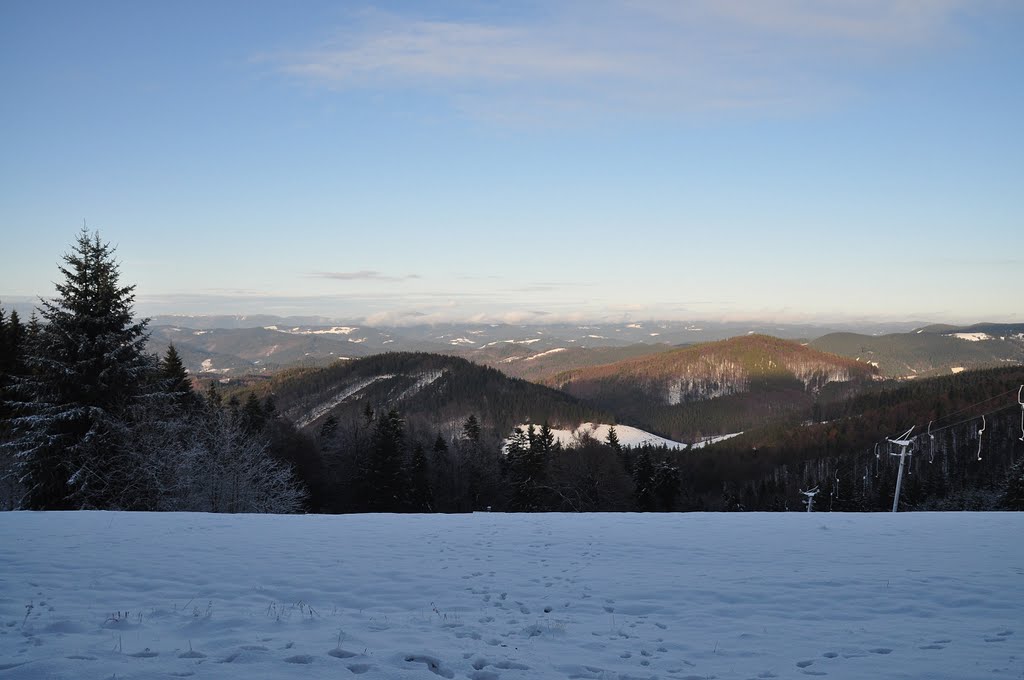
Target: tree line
{"type": "Point", "coordinates": [91, 421]}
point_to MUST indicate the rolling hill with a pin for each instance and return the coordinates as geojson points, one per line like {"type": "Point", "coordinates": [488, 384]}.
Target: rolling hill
{"type": "Point", "coordinates": [718, 387]}
{"type": "Point", "coordinates": [432, 392]}
{"type": "Point", "coordinates": [932, 350]}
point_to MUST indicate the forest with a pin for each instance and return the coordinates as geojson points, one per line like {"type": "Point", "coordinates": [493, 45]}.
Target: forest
{"type": "Point", "coordinates": [89, 420]}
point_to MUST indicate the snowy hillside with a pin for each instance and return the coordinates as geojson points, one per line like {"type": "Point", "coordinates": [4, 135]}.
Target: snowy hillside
{"type": "Point", "coordinates": [505, 597]}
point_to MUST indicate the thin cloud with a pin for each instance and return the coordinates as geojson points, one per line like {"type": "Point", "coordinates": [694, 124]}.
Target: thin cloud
{"type": "Point", "coordinates": [362, 275]}
{"type": "Point", "coordinates": [644, 56]}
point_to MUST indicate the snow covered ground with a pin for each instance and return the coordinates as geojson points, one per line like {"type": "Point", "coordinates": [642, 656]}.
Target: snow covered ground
{"type": "Point", "coordinates": [505, 597]}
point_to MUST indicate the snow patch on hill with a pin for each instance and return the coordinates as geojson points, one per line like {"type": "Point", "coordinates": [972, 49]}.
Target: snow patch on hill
{"type": "Point", "coordinates": [628, 436]}
{"type": "Point", "coordinates": [544, 354]}
{"type": "Point", "coordinates": [207, 367]}
{"type": "Point", "coordinates": [334, 330]}
{"type": "Point", "coordinates": [972, 337]}
{"type": "Point", "coordinates": [707, 441]}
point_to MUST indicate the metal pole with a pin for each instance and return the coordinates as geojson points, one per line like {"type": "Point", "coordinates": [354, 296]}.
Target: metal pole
{"type": "Point", "coordinates": [903, 442]}
{"type": "Point", "coordinates": [899, 481]}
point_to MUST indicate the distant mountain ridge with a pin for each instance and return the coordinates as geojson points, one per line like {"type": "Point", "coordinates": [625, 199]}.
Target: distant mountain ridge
{"type": "Point", "coordinates": [233, 346]}
{"type": "Point", "coordinates": [932, 350]}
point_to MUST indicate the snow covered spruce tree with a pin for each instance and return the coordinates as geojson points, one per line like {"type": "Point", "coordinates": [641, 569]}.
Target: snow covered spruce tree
{"type": "Point", "coordinates": [86, 368]}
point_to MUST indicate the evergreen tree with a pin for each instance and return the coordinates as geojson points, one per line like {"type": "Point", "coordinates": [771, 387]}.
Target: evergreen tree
{"type": "Point", "coordinates": [666, 484]}
{"type": "Point", "coordinates": [12, 365]}
{"type": "Point", "coordinates": [328, 428]}
{"type": "Point", "coordinates": [643, 481]}
{"type": "Point", "coordinates": [384, 483]}
{"type": "Point", "coordinates": [270, 407]}
{"type": "Point", "coordinates": [253, 418]}
{"type": "Point", "coordinates": [213, 398]}
{"type": "Point", "coordinates": [526, 467]}
{"type": "Point", "coordinates": [546, 442]}
{"type": "Point", "coordinates": [420, 498]}
{"type": "Point", "coordinates": [234, 409]}
{"type": "Point", "coordinates": [1013, 494]}
{"type": "Point", "coordinates": [88, 367]}
{"type": "Point", "coordinates": [612, 440]}
{"type": "Point", "coordinates": [176, 379]}
{"type": "Point", "coordinates": [440, 447]}
{"type": "Point", "coordinates": [471, 430]}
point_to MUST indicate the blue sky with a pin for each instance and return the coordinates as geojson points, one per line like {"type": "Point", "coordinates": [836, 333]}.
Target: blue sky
{"type": "Point", "coordinates": [399, 162]}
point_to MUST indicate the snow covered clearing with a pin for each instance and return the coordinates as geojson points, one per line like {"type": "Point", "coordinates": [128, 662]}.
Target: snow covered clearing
{"type": "Point", "coordinates": [628, 436]}
{"type": "Point", "coordinates": [506, 597]}
{"type": "Point", "coordinates": [422, 380]}
{"type": "Point", "coordinates": [972, 337]}
{"type": "Point", "coordinates": [340, 397]}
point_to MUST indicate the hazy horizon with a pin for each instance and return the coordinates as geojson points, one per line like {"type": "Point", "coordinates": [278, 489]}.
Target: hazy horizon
{"type": "Point", "coordinates": [313, 310]}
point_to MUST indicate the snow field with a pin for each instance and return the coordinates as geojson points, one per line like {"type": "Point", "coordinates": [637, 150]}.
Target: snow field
{"type": "Point", "coordinates": [504, 597]}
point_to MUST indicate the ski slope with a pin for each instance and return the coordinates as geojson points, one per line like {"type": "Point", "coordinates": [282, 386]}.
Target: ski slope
{"type": "Point", "coordinates": [505, 597]}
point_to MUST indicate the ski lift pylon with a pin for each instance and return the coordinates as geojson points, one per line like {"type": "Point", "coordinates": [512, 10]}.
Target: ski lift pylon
{"type": "Point", "coordinates": [1020, 400]}
{"type": "Point", "coordinates": [981, 432]}
{"type": "Point", "coordinates": [931, 444]}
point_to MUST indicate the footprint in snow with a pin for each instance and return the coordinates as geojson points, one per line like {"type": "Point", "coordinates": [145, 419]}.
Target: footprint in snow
{"type": "Point", "coordinates": [483, 675]}
{"type": "Point", "coordinates": [341, 654]}
{"type": "Point", "coordinates": [432, 664]}
{"type": "Point", "coordinates": [880, 650]}
{"type": "Point", "coordinates": [147, 653]}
